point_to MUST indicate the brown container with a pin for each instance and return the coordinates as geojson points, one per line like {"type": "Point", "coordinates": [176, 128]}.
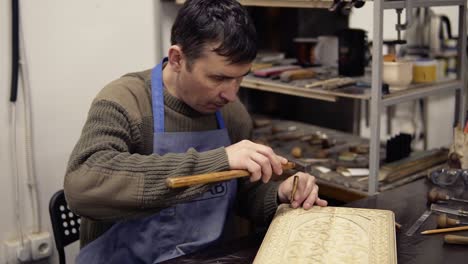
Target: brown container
{"type": "Point", "coordinates": [305, 50]}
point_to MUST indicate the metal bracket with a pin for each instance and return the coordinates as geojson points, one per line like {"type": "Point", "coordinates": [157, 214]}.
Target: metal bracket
{"type": "Point", "coordinates": [409, 18]}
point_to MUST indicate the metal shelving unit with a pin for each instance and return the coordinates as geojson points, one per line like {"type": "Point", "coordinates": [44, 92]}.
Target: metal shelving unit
{"type": "Point", "coordinates": [415, 91]}
{"type": "Point", "coordinates": [378, 102]}
{"type": "Point", "coordinates": [391, 4]}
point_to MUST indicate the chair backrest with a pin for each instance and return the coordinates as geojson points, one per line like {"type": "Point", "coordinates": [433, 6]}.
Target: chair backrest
{"type": "Point", "coordinates": [65, 223]}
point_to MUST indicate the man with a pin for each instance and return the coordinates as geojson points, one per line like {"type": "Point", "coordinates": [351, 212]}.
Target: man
{"type": "Point", "coordinates": [180, 118]}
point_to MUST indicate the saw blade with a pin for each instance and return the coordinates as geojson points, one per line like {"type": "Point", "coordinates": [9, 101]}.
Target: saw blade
{"type": "Point", "coordinates": [442, 209]}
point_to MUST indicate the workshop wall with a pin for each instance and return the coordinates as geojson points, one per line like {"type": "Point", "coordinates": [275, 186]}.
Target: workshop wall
{"type": "Point", "coordinates": [73, 49]}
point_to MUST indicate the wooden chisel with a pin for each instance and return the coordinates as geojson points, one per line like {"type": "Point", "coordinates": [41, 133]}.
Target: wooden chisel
{"type": "Point", "coordinates": [276, 70]}
{"type": "Point", "coordinates": [184, 181]}
{"type": "Point", "coordinates": [298, 74]}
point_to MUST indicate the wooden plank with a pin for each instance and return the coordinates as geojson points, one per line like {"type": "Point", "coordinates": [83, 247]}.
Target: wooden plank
{"type": "Point", "coordinates": [329, 235]}
{"type": "Point", "coordinates": [339, 192]}
{"type": "Point", "coordinates": [289, 90]}
{"type": "Point", "coordinates": [286, 88]}
{"type": "Point", "coordinates": [411, 165]}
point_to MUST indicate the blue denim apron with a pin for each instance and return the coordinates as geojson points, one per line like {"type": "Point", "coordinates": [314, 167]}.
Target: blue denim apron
{"type": "Point", "coordinates": [177, 230]}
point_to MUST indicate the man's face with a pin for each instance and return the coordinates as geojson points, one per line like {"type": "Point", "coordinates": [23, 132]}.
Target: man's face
{"type": "Point", "coordinates": [210, 82]}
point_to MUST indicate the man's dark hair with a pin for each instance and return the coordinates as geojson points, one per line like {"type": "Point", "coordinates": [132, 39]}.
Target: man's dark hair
{"type": "Point", "coordinates": [226, 22]}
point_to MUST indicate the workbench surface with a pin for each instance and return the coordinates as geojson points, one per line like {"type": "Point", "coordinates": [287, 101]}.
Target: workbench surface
{"type": "Point", "coordinates": [408, 202]}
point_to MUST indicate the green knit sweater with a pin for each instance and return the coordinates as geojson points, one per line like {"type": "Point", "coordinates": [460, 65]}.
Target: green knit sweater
{"type": "Point", "coordinates": [113, 174]}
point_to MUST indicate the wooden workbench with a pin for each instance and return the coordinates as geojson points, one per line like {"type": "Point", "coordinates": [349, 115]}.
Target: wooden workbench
{"type": "Point", "coordinates": [408, 202]}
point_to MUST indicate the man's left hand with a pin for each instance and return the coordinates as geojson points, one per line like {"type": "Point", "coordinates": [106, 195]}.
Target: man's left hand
{"type": "Point", "coordinates": [306, 192]}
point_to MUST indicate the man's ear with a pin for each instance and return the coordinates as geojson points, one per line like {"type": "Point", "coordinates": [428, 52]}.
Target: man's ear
{"type": "Point", "coordinates": [175, 57]}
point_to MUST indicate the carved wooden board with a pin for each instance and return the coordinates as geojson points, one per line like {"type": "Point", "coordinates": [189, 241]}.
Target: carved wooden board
{"type": "Point", "coordinates": [329, 235]}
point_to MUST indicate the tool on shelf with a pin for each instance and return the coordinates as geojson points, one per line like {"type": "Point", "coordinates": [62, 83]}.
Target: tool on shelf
{"type": "Point", "coordinates": [274, 71]}
{"type": "Point", "coordinates": [184, 181]}
{"type": "Point", "coordinates": [418, 223]}
{"type": "Point", "coordinates": [332, 83]}
{"type": "Point", "coordinates": [297, 74]}
{"type": "Point", "coordinates": [435, 195]}
{"type": "Point", "coordinates": [442, 209]}
{"type": "Point", "coordinates": [444, 221]}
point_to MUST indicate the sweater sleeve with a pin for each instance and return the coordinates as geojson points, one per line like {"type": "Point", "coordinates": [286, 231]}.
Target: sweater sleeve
{"type": "Point", "coordinates": [107, 180]}
{"type": "Point", "coordinates": [256, 201]}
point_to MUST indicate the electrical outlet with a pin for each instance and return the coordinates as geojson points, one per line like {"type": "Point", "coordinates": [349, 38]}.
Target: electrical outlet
{"type": "Point", "coordinates": [17, 252]}
{"type": "Point", "coordinates": [41, 245]}
{"type": "Point", "coordinates": [35, 246]}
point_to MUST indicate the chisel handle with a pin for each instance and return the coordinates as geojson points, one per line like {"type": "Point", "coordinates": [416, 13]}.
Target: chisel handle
{"type": "Point", "coordinates": [184, 181]}
{"type": "Point", "coordinates": [453, 239]}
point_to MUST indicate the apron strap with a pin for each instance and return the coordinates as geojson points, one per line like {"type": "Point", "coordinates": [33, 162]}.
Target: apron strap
{"type": "Point", "coordinates": [158, 97]}
{"type": "Point", "coordinates": [157, 94]}
{"type": "Point", "coordinates": [219, 118]}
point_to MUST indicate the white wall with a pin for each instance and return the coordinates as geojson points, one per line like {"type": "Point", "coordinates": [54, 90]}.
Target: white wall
{"type": "Point", "coordinates": [441, 109]}
{"type": "Point", "coordinates": [73, 48]}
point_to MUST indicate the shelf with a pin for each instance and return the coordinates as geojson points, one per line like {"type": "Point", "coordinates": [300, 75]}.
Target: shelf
{"type": "Point", "coordinates": [286, 89]}
{"type": "Point", "coordinates": [420, 91]}
{"type": "Point", "coordinates": [389, 4]}
{"type": "Point", "coordinates": [415, 91]}
{"type": "Point", "coordinates": [284, 3]}
{"type": "Point", "coordinates": [423, 3]}
{"type": "Point", "coordinates": [290, 3]}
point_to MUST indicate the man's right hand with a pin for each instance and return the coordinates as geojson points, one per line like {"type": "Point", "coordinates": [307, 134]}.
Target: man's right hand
{"type": "Point", "coordinates": [260, 160]}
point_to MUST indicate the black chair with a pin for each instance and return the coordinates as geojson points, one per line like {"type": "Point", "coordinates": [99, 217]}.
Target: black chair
{"type": "Point", "coordinates": [65, 223]}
